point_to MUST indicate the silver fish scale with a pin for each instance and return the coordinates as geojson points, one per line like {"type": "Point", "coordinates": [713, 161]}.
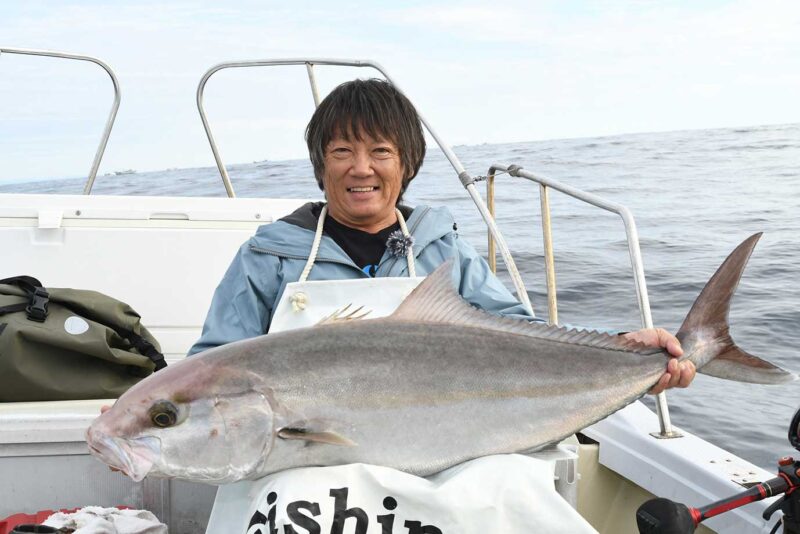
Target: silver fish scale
{"type": "Point", "coordinates": [452, 394]}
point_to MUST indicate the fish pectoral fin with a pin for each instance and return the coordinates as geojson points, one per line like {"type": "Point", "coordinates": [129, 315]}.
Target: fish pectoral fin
{"type": "Point", "coordinates": [330, 438]}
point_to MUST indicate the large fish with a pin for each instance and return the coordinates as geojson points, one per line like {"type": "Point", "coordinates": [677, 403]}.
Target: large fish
{"type": "Point", "coordinates": [435, 384]}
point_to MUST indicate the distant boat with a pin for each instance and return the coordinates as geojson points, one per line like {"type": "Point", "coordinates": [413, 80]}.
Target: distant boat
{"type": "Point", "coordinates": [126, 171]}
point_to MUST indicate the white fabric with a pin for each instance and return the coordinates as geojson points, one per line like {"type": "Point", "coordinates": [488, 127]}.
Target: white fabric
{"type": "Point", "coordinates": [320, 298]}
{"type": "Point", "coordinates": [509, 494]}
{"type": "Point", "coordinates": [99, 520]}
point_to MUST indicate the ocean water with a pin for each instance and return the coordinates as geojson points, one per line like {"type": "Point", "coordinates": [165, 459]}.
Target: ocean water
{"type": "Point", "coordinates": [695, 196]}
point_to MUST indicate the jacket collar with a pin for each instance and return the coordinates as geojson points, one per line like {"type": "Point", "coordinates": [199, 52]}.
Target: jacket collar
{"type": "Point", "coordinates": [293, 235]}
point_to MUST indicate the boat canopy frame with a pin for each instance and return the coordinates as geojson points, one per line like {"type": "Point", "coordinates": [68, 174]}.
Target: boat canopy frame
{"type": "Point", "coordinates": [496, 239]}
{"type": "Point", "coordinates": [486, 209]}
{"type": "Point", "coordinates": [112, 115]}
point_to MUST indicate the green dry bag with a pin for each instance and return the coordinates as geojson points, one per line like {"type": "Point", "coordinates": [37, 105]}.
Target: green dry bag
{"type": "Point", "coordinates": [69, 344]}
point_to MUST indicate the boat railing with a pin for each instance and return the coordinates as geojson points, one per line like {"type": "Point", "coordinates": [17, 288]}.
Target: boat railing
{"type": "Point", "coordinates": [87, 189]}
{"type": "Point", "coordinates": [496, 239]}
{"type": "Point", "coordinates": [309, 63]}
{"type": "Point", "coordinates": [545, 184]}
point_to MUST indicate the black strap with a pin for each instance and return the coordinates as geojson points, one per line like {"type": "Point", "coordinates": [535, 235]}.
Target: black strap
{"type": "Point", "coordinates": [26, 283]}
{"type": "Point", "coordinates": [36, 309]}
{"type": "Point", "coordinates": [13, 308]}
{"type": "Point", "coordinates": [143, 346]}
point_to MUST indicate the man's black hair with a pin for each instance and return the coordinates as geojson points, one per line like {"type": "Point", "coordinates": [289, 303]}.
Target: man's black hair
{"type": "Point", "coordinates": [374, 107]}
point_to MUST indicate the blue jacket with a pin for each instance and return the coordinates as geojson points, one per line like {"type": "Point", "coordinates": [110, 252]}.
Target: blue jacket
{"type": "Point", "coordinates": [244, 301]}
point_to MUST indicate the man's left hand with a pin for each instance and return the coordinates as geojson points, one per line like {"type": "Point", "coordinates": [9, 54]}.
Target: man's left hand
{"type": "Point", "coordinates": [678, 374]}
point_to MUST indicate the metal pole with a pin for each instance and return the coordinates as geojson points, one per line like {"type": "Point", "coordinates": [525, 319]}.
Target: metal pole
{"type": "Point", "coordinates": [87, 189]}
{"type": "Point", "coordinates": [492, 253]}
{"type": "Point", "coordinates": [549, 261]}
{"type": "Point", "coordinates": [313, 81]}
{"type": "Point", "coordinates": [226, 181]}
{"type": "Point", "coordinates": [634, 251]}
{"type": "Point", "coordinates": [522, 293]}
{"type": "Point", "coordinates": [465, 178]}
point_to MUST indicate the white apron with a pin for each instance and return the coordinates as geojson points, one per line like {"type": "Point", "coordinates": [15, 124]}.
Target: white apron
{"type": "Point", "coordinates": [366, 499]}
{"type": "Point", "coordinates": [305, 303]}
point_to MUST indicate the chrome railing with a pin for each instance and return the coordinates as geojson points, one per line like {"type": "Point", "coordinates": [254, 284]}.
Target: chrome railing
{"type": "Point", "coordinates": [496, 240]}
{"type": "Point", "coordinates": [87, 189]}
{"type": "Point", "coordinates": [545, 184]}
{"type": "Point", "coordinates": [465, 178]}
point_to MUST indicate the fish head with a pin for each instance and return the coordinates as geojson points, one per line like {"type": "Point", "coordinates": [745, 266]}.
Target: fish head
{"type": "Point", "coordinates": [194, 420]}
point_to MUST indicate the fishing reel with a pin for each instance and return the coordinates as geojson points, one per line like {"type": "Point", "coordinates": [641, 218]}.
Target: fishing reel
{"type": "Point", "coordinates": [663, 516]}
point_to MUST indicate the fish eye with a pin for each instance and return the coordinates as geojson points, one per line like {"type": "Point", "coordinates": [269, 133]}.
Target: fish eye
{"type": "Point", "coordinates": [163, 414]}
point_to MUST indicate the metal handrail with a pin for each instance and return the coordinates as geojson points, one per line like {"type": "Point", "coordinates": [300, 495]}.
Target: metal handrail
{"type": "Point", "coordinates": [466, 179]}
{"type": "Point", "coordinates": [634, 251]}
{"type": "Point", "coordinates": [308, 62]}
{"type": "Point", "coordinates": [87, 189]}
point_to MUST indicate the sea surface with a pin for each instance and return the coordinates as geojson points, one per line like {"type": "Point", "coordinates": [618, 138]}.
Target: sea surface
{"type": "Point", "coordinates": [695, 195]}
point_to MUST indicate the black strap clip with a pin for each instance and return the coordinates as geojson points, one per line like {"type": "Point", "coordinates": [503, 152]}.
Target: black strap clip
{"type": "Point", "coordinates": [37, 309]}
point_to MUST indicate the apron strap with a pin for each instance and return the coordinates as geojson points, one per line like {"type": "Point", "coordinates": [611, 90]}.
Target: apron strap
{"type": "Point", "coordinates": [312, 256]}
{"type": "Point", "coordinates": [412, 271]}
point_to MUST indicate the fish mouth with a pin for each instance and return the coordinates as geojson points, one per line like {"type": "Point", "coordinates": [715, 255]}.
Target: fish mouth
{"type": "Point", "coordinates": [135, 457]}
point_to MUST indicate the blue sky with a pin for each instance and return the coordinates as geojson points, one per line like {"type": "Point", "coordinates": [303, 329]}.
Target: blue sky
{"type": "Point", "coordinates": [512, 71]}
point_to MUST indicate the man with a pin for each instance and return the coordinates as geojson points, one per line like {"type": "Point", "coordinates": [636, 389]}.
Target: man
{"type": "Point", "coordinates": [366, 144]}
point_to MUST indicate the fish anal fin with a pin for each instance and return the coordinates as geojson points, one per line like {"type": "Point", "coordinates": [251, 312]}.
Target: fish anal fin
{"type": "Point", "coordinates": [736, 364]}
{"type": "Point", "coordinates": [327, 437]}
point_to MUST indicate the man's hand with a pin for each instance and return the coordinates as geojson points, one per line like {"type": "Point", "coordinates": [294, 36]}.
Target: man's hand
{"type": "Point", "coordinates": [678, 374]}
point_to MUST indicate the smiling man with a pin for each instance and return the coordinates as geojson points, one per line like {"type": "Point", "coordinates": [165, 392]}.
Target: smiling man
{"type": "Point", "coordinates": [366, 144]}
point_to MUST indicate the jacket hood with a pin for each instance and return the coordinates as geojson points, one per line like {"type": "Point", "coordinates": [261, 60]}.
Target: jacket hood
{"type": "Point", "coordinates": [293, 235]}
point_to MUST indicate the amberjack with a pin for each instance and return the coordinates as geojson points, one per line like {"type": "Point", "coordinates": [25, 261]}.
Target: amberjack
{"type": "Point", "coordinates": [433, 385]}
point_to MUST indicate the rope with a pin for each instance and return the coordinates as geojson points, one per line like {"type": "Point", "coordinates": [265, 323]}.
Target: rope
{"type": "Point", "coordinates": [312, 256]}
{"type": "Point", "coordinates": [412, 271]}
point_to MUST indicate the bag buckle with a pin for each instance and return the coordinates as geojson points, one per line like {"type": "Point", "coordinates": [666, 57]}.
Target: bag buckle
{"type": "Point", "coordinates": [37, 309]}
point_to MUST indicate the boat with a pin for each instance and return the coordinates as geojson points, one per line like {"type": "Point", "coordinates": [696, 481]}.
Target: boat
{"type": "Point", "coordinates": [176, 249]}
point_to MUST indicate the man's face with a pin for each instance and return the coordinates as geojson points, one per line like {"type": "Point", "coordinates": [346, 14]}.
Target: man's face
{"type": "Point", "coordinates": [362, 181]}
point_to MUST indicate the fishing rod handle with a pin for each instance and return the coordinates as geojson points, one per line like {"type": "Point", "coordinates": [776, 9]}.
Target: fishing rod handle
{"type": "Point", "coordinates": [663, 516]}
{"type": "Point", "coordinates": [764, 490]}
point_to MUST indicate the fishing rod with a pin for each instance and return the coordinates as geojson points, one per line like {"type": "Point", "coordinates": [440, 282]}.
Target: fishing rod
{"type": "Point", "coordinates": [663, 516]}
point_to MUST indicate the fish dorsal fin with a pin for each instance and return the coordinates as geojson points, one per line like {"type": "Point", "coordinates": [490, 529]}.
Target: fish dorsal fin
{"type": "Point", "coordinates": [435, 300]}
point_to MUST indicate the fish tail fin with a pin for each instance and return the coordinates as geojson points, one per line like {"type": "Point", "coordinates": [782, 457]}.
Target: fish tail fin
{"type": "Point", "coordinates": [705, 335]}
